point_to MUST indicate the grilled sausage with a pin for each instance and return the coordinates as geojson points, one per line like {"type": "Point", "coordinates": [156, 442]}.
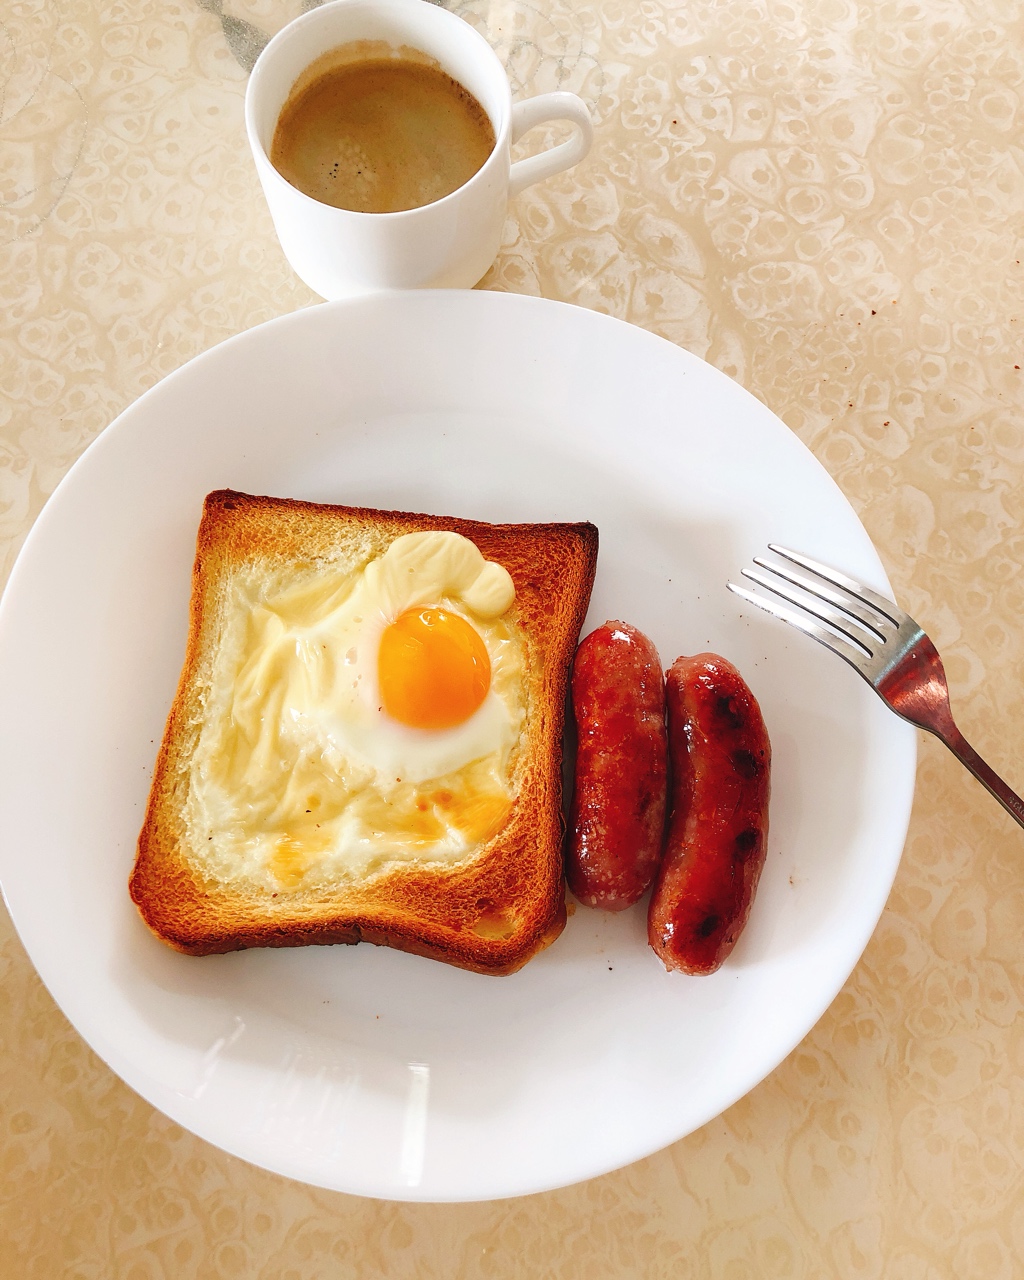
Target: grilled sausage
{"type": "Point", "coordinates": [617, 821]}
{"type": "Point", "coordinates": [718, 827]}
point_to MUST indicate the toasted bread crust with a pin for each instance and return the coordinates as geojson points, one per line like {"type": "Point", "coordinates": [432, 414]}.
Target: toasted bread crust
{"type": "Point", "coordinates": [454, 914]}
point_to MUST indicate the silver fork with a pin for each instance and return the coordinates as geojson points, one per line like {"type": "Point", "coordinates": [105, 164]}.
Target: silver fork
{"type": "Point", "coordinates": [881, 642]}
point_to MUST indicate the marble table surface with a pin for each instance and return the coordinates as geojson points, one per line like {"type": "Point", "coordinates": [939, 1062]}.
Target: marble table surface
{"type": "Point", "coordinates": [823, 198]}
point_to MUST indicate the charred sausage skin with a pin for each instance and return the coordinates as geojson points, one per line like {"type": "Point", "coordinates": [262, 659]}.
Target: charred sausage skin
{"type": "Point", "coordinates": [718, 824]}
{"type": "Point", "coordinates": [617, 821]}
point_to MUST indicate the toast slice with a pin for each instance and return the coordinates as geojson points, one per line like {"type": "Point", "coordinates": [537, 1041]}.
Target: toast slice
{"type": "Point", "coordinates": [203, 878]}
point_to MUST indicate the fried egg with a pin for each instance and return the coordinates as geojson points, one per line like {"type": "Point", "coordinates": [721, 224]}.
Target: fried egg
{"type": "Point", "coordinates": [359, 716]}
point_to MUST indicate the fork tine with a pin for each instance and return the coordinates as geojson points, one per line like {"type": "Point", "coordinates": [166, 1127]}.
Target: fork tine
{"type": "Point", "coordinates": [868, 619]}
{"type": "Point", "coordinates": [819, 609]}
{"type": "Point", "coordinates": [849, 648]}
{"type": "Point", "coordinates": [885, 607]}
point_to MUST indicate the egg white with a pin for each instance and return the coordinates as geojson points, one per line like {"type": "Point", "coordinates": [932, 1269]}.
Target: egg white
{"type": "Point", "coordinates": [346, 714]}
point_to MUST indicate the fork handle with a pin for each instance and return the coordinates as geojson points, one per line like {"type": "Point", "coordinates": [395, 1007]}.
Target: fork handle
{"type": "Point", "coordinates": [988, 778]}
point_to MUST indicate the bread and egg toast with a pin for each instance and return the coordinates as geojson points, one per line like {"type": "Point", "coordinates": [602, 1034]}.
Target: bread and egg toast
{"type": "Point", "coordinates": [365, 744]}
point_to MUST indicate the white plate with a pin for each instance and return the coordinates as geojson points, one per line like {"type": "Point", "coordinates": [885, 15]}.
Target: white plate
{"type": "Point", "coordinates": [358, 1068]}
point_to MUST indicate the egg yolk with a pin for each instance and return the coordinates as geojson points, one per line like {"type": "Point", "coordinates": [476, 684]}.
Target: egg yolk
{"type": "Point", "coordinates": [433, 669]}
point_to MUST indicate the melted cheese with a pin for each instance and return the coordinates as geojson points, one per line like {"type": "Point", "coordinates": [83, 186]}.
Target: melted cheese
{"type": "Point", "coordinates": [298, 777]}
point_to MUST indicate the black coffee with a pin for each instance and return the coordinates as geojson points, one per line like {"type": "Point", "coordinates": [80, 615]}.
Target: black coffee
{"type": "Point", "coordinates": [381, 134]}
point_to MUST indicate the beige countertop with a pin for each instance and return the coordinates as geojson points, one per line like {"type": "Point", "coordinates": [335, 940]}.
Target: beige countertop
{"type": "Point", "coordinates": [825, 199]}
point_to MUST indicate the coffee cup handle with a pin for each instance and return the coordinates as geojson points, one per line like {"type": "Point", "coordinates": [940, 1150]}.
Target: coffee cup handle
{"type": "Point", "coordinates": [539, 110]}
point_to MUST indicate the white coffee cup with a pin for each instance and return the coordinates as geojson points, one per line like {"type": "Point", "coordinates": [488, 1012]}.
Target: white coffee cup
{"type": "Point", "coordinates": [449, 243]}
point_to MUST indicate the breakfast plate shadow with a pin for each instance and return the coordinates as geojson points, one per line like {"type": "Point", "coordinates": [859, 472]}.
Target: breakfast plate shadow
{"type": "Point", "coordinates": [361, 1069]}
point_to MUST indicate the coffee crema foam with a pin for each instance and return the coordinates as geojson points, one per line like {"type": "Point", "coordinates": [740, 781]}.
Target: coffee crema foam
{"type": "Point", "coordinates": [378, 130]}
